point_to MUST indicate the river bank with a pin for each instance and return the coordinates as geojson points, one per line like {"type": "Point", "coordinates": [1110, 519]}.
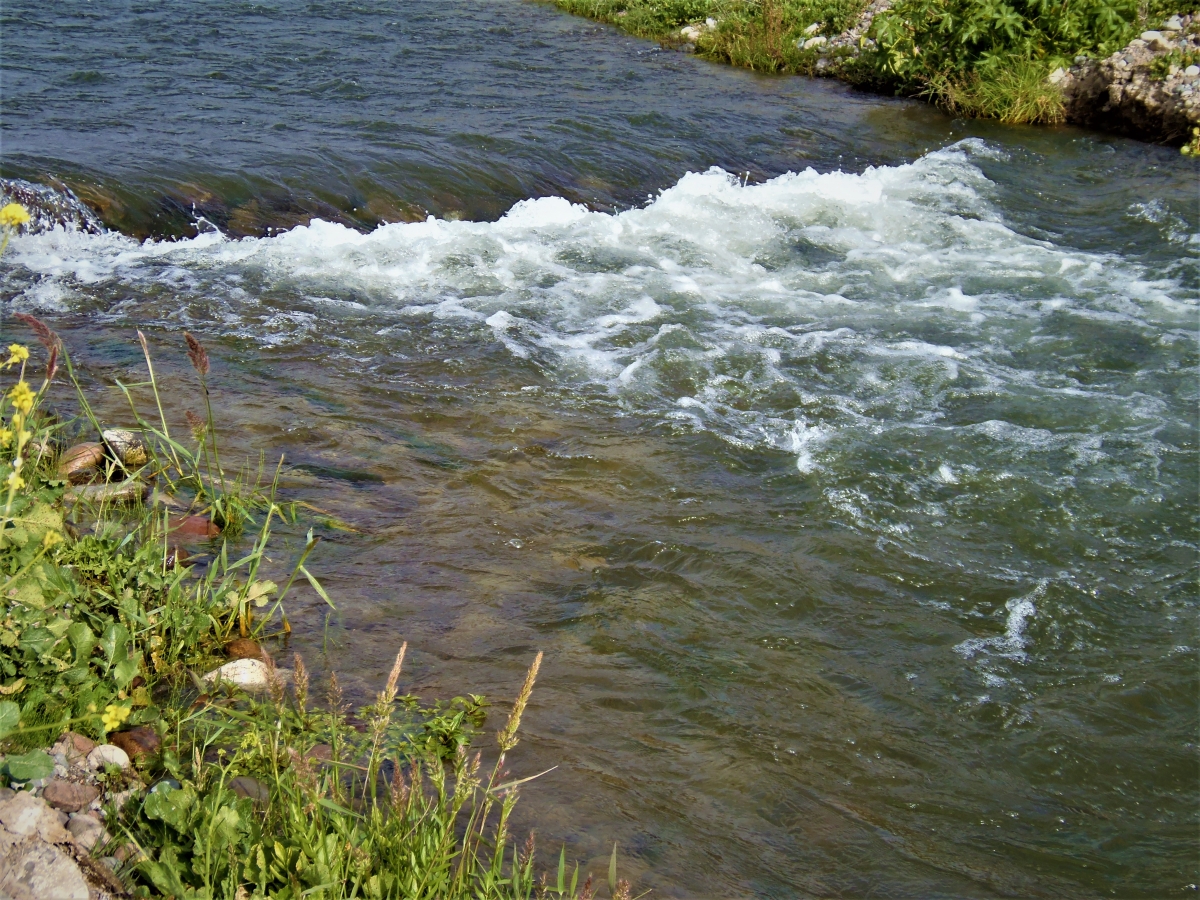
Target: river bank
{"type": "Point", "coordinates": [1134, 73]}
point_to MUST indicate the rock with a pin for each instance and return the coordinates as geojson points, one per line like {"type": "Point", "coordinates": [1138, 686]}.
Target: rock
{"type": "Point", "coordinates": [120, 798]}
{"type": "Point", "coordinates": [25, 815]}
{"type": "Point", "coordinates": [130, 491]}
{"type": "Point", "coordinates": [136, 742]}
{"type": "Point", "coordinates": [128, 851]}
{"type": "Point", "coordinates": [31, 869]}
{"type": "Point", "coordinates": [107, 755]}
{"type": "Point", "coordinates": [81, 463]}
{"type": "Point", "coordinates": [1057, 75]}
{"type": "Point", "coordinates": [87, 831]}
{"type": "Point", "coordinates": [252, 788]}
{"type": "Point", "coordinates": [1155, 41]}
{"type": "Point", "coordinates": [814, 42]}
{"type": "Point", "coordinates": [243, 648]}
{"type": "Point", "coordinates": [812, 29]}
{"type": "Point", "coordinates": [73, 748]}
{"type": "Point", "coordinates": [126, 447]}
{"type": "Point", "coordinates": [193, 527]}
{"type": "Point", "coordinates": [248, 674]}
{"type": "Point", "coordinates": [69, 796]}
{"type": "Point", "coordinates": [1173, 24]}
{"type": "Point", "coordinates": [166, 784]}
{"type": "Point", "coordinates": [1192, 71]}
{"type": "Point", "coordinates": [691, 32]}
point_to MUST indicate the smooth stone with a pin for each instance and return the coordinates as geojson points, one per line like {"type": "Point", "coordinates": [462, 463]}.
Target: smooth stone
{"type": "Point", "coordinates": [120, 798]}
{"type": "Point", "coordinates": [251, 788]}
{"type": "Point", "coordinates": [1192, 71]}
{"type": "Point", "coordinates": [126, 446]}
{"type": "Point", "coordinates": [136, 742]}
{"type": "Point", "coordinates": [81, 463]}
{"type": "Point", "coordinates": [248, 674]}
{"type": "Point", "coordinates": [107, 755]}
{"type": "Point", "coordinates": [87, 830]}
{"type": "Point", "coordinates": [69, 796]}
{"type": "Point", "coordinates": [814, 42]}
{"type": "Point", "coordinates": [812, 29]}
{"type": "Point", "coordinates": [1173, 24]}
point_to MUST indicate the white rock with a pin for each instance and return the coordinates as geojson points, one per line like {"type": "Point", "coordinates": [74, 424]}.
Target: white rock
{"type": "Point", "coordinates": [1173, 24]}
{"type": "Point", "coordinates": [813, 28]}
{"type": "Point", "coordinates": [25, 815]}
{"type": "Point", "coordinates": [1057, 75]}
{"type": "Point", "coordinates": [248, 674]}
{"type": "Point", "coordinates": [1191, 71]}
{"type": "Point", "coordinates": [1155, 40]}
{"type": "Point", "coordinates": [710, 23]}
{"type": "Point", "coordinates": [107, 755]}
{"type": "Point", "coordinates": [814, 42]}
{"type": "Point", "coordinates": [691, 32]}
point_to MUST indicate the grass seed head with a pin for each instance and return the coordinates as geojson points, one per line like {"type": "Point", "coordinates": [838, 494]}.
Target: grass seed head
{"type": "Point", "coordinates": [197, 354]}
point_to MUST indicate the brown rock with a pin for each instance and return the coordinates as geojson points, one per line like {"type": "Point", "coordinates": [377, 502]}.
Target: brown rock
{"type": "Point", "coordinates": [74, 746]}
{"type": "Point", "coordinates": [68, 795]}
{"type": "Point", "coordinates": [193, 527]}
{"type": "Point", "coordinates": [136, 742]}
{"type": "Point", "coordinates": [245, 786]}
{"type": "Point", "coordinates": [81, 463]}
{"type": "Point", "coordinates": [243, 648]}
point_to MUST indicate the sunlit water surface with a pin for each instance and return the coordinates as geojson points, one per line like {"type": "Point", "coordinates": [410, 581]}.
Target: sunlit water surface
{"type": "Point", "coordinates": [850, 487]}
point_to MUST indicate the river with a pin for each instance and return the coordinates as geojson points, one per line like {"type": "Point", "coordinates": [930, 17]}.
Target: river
{"type": "Point", "coordinates": [840, 456]}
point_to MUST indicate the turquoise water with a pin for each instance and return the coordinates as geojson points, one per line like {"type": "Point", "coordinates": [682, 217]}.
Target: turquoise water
{"type": "Point", "coordinates": [840, 456]}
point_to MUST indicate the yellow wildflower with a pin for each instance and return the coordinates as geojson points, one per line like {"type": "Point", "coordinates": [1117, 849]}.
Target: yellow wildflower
{"type": "Point", "coordinates": [51, 538]}
{"type": "Point", "coordinates": [21, 397]}
{"type": "Point", "coordinates": [14, 481]}
{"type": "Point", "coordinates": [16, 355]}
{"type": "Point", "coordinates": [5, 437]}
{"type": "Point", "coordinates": [113, 716]}
{"type": "Point", "coordinates": [13, 214]}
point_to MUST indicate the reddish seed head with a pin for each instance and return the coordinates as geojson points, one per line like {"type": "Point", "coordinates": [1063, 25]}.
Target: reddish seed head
{"type": "Point", "coordinates": [196, 353]}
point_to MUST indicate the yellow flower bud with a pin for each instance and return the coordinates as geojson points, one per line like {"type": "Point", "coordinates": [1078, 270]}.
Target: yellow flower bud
{"type": "Point", "coordinates": [21, 397]}
{"type": "Point", "coordinates": [14, 481]}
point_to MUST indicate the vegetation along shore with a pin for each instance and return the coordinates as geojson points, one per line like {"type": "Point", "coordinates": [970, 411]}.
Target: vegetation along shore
{"type": "Point", "coordinates": [149, 743]}
{"type": "Point", "coordinates": [1126, 67]}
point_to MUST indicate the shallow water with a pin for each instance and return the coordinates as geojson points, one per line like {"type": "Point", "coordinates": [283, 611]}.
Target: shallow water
{"type": "Point", "coordinates": [854, 505]}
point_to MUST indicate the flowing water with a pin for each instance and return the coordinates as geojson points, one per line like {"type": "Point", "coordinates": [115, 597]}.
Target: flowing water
{"type": "Point", "coordinates": [841, 457]}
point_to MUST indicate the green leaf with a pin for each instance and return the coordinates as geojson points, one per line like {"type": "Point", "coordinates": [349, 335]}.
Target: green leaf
{"type": "Point", "coordinates": [317, 586]}
{"type": "Point", "coordinates": [114, 642]}
{"type": "Point", "coordinates": [83, 640]}
{"type": "Point", "coordinates": [175, 807]}
{"type": "Point", "coordinates": [124, 671]}
{"type": "Point", "coordinates": [612, 871]}
{"type": "Point", "coordinates": [29, 766]}
{"type": "Point", "coordinates": [10, 715]}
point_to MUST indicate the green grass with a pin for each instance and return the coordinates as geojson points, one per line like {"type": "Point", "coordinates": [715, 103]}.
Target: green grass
{"type": "Point", "coordinates": [101, 629]}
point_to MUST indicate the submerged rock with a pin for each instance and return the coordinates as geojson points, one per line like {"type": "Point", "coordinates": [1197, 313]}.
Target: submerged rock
{"type": "Point", "coordinates": [131, 491]}
{"type": "Point", "coordinates": [193, 527]}
{"type": "Point", "coordinates": [49, 208]}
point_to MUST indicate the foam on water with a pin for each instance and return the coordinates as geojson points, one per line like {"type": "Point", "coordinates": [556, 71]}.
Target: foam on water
{"type": "Point", "coordinates": [913, 352]}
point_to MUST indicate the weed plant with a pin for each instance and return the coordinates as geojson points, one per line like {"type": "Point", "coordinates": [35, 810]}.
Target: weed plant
{"type": "Point", "coordinates": [103, 625]}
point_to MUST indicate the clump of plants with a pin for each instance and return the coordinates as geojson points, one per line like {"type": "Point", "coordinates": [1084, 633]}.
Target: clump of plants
{"type": "Point", "coordinates": [105, 623]}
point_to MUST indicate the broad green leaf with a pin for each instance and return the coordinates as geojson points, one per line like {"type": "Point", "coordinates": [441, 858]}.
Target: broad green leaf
{"type": "Point", "coordinates": [83, 640]}
{"type": "Point", "coordinates": [124, 671]}
{"type": "Point", "coordinates": [29, 766]}
{"type": "Point", "coordinates": [175, 807]}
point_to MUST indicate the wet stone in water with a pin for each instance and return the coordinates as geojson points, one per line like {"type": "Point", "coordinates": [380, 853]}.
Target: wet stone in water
{"type": "Point", "coordinates": [81, 463]}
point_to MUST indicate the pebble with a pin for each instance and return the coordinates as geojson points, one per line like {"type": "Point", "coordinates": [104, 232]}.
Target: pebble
{"type": "Point", "coordinates": [81, 463]}
{"type": "Point", "coordinates": [107, 755]}
{"type": "Point", "coordinates": [1192, 71]}
{"type": "Point", "coordinates": [814, 42]}
{"type": "Point", "coordinates": [1173, 24]}
{"type": "Point", "coordinates": [248, 674]}
{"type": "Point", "coordinates": [69, 796]}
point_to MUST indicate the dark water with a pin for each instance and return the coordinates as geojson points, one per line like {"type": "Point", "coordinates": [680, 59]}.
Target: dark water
{"type": "Point", "coordinates": [854, 509]}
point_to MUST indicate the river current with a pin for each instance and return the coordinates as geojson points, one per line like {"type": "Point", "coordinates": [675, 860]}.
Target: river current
{"type": "Point", "coordinates": [840, 456]}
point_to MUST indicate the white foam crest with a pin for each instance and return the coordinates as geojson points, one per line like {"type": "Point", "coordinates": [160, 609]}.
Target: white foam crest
{"type": "Point", "coordinates": [709, 306]}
